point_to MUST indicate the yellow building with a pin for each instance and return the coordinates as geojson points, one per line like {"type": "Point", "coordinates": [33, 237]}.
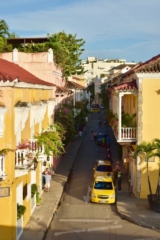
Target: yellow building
{"type": "Point", "coordinates": [26, 107]}
{"type": "Point", "coordinates": [137, 93]}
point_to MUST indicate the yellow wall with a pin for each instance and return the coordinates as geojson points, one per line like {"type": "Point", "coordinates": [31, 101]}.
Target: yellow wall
{"type": "Point", "coordinates": [150, 109]}
{"type": "Point", "coordinates": [150, 129]}
{"type": "Point", "coordinates": [8, 205]}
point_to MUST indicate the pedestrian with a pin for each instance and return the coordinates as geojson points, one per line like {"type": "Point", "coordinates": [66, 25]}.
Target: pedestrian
{"type": "Point", "coordinates": [100, 122]}
{"type": "Point", "coordinates": [119, 179]}
{"type": "Point", "coordinates": [129, 182]}
{"type": "Point", "coordinates": [46, 170]}
{"type": "Point", "coordinates": [80, 134]}
{"type": "Point", "coordinates": [117, 168]}
{"type": "Point", "coordinates": [95, 136]}
{"type": "Point", "coordinates": [107, 140]}
{"type": "Point", "coordinates": [92, 134]}
{"type": "Point", "coordinates": [47, 178]}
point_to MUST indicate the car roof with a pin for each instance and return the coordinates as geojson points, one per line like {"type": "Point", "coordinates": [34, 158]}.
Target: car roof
{"type": "Point", "coordinates": [103, 162]}
{"type": "Point", "coordinates": [104, 179]}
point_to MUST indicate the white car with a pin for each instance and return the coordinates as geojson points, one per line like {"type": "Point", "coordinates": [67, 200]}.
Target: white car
{"type": "Point", "coordinates": [101, 106]}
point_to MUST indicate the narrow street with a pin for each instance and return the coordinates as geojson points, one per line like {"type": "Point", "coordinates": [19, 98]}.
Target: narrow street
{"type": "Point", "coordinates": [77, 217]}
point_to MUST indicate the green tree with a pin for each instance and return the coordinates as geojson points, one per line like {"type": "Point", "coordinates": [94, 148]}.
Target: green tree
{"type": "Point", "coordinates": [145, 150]}
{"type": "Point", "coordinates": [67, 51]}
{"type": "Point", "coordinates": [4, 29]}
{"type": "Point", "coordinates": [157, 154]}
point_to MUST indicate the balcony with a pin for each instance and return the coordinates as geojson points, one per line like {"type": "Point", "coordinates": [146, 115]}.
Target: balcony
{"type": "Point", "coordinates": [26, 157]}
{"type": "Point", "coordinates": [127, 134]}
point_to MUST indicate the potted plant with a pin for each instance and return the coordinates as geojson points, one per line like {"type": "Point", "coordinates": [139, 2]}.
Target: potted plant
{"type": "Point", "coordinates": [145, 150]}
{"type": "Point", "coordinates": [20, 210]}
{"type": "Point", "coordinates": [156, 196]}
{"type": "Point", "coordinates": [38, 199]}
{"type": "Point", "coordinates": [51, 139]}
{"type": "Point", "coordinates": [34, 189]}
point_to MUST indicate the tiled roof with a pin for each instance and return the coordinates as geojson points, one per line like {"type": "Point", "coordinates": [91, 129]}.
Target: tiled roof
{"type": "Point", "coordinates": [61, 89]}
{"type": "Point", "coordinates": [127, 86]}
{"type": "Point", "coordinates": [73, 85]}
{"type": "Point", "coordinates": [150, 66]}
{"type": "Point", "coordinates": [11, 71]}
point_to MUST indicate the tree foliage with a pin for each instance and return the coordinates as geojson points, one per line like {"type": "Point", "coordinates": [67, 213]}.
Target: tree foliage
{"type": "Point", "coordinates": [4, 29]}
{"type": "Point", "coordinates": [67, 51]}
{"type": "Point", "coordinates": [67, 48]}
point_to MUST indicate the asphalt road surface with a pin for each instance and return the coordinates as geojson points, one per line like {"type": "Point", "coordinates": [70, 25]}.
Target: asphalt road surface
{"type": "Point", "coordinates": [77, 218]}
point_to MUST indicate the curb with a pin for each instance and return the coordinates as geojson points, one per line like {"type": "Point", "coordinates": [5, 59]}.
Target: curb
{"type": "Point", "coordinates": [125, 217]}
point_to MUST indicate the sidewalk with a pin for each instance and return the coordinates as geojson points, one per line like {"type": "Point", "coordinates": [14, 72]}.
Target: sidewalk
{"type": "Point", "coordinates": [134, 209]}
{"type": "Point", "coordinates": [39, 222]}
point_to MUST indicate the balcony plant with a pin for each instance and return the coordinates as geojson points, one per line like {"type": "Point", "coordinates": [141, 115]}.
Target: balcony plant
{"type": "Point", "coordinates": [25, 143]}
{"type": "Point", "coordinates": [128, 120]}
{"type": "Point", "coordinates": [20, 211]}
{"type": "Point", "coordinates": [64, 115]}
{"type": "Point", "coordinates": [38, 199]}
{"type": "Point", "coordinates": [51, 140]}
{"type": "Point", "coordinates": [34, 189]}
{"type": "Point", "coordinates": [5, 151]}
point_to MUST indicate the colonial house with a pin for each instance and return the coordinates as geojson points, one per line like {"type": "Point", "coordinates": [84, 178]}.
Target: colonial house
{"type": "Point", "coordinates": [135, 94]}
{"type": "Point", "coordinates": [26, 107]}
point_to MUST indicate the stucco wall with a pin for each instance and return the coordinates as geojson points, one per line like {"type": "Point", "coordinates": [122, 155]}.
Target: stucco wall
{"type": "Point", "coordinates": [150, 109]}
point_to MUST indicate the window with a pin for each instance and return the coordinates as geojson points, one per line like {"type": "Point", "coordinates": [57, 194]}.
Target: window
{"type": "Point", "coordinates": [104, 168]}
{"type": "Point", "coordinates": [1, 165]}
{"type": "Point", "coordinates": [24, 191]}
{"type": "Point", "coordinates": [103, 185]}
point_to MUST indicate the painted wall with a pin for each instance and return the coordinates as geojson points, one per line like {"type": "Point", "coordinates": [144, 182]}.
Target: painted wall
{"type": "Point", "coordinates": [150, 129]}
{"type": "Point", "coordinates": [9, 97]}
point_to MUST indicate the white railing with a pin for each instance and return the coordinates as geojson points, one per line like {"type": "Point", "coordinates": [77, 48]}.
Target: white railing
{"type": "Point", "coordinates": [128, 133]}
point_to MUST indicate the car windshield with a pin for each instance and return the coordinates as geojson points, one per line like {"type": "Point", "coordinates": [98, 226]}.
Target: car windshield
{"type": "Point", "coordinates": [95, 105]}
{"type": "Point", "coordinates": [103, 185]}
{"type": "Point", "coordinates": [104, 168]}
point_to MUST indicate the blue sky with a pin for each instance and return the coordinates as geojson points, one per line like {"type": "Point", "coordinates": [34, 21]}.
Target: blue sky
{"type": "Point", "coordinates": [126, 29]}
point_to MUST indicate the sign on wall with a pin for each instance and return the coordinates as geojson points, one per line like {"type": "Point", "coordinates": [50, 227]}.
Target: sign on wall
{"type": "Point", "coordinates": [4, 192]}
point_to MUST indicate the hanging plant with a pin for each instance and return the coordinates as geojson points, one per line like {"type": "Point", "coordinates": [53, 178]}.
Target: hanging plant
{"type": "Point", "coordinates": [5, 151]}
{"type": "Point", "coordinates": [20, 210]}
{"type": "Point", "coordinates": [34, 189]}
{"type": "Point", "coordinates": [65, 117]}
{"type": "Point", "coordinates": [25, 143]}
{"type": "Point", "coordinates": [38, 199]}
{"type": "Point", "coordinates": [51, 139]}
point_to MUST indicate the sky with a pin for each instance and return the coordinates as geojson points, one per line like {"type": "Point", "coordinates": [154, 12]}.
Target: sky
{"type": "Point", "coordinates": [123, 29]}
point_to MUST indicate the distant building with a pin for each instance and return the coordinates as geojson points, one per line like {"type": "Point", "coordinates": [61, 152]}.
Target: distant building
{"type": "Point", "coordinates": [101, 67]}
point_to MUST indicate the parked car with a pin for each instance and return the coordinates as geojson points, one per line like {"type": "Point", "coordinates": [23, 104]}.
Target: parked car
{"type": "Point", "coordinates": [103, 190]}
{"type": "Point", "coordinates": [95, 108]}
{"type": "Point", "coordinates": [103, 168]}
{"type": "Point", "coordinates": [101, 106]}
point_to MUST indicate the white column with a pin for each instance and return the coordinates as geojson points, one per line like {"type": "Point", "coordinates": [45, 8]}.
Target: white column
{"type": "Point", "coordinates": [74, 97]}
{"type": "Point", "coordinates": [120, 115]}
{"type": "Point", "coordinates": [15, 55]}
{"type": "Point", "coordinates": [50, 55]}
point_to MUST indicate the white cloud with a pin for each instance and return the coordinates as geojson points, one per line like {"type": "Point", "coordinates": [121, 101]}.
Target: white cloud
{"type": "Point", "coordinates": [95, 21]}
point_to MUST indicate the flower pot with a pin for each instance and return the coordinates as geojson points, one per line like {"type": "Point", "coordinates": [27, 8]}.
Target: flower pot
{"type": "Point", "coordinates": [150, 199]}
{"type": "Point", "coordinates": [156, 203]}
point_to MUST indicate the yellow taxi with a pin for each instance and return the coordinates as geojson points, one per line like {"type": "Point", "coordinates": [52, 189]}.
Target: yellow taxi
{"type": "Point", "coordinates": [95, 108]}
{"type": "Point", "coordinates": [103, 190]}
{"type": "Point", "coordinates": [102, 168]}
